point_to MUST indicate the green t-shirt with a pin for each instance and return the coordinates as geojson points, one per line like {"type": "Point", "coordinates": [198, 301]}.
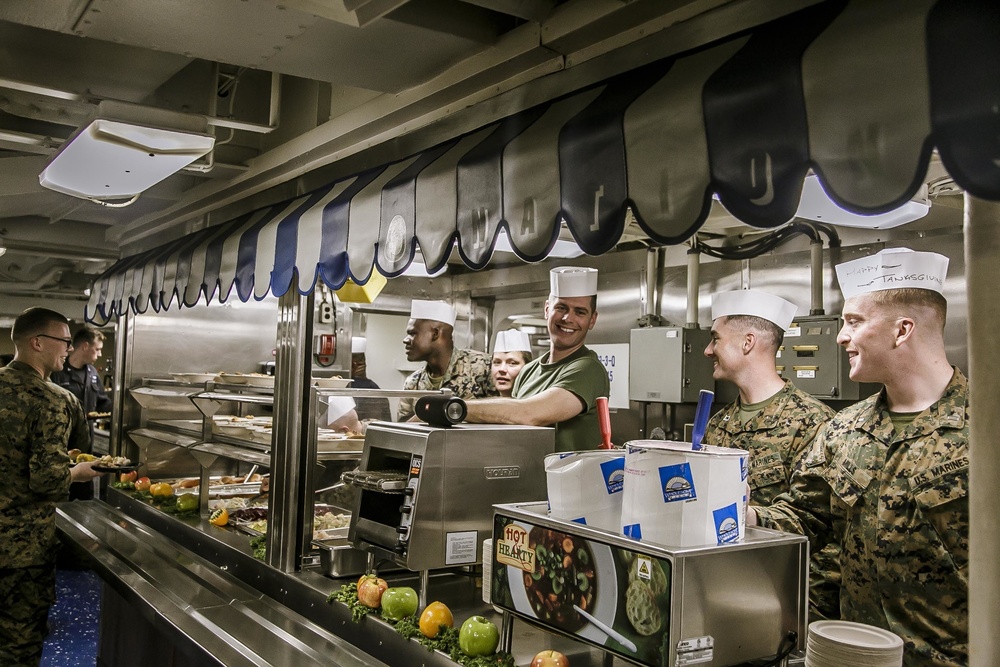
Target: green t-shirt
{"type": "Point", "coordinates": [580, 373]}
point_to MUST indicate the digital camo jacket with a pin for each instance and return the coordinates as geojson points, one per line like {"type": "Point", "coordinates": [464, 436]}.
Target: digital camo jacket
{"type": "Point", "coordinates": [468, 377]}
{"type": "Point", "coordinates": [897, 503]}
{"type": "Point", "coordinates": [38, 420]}
{"type": "Point", "coordinates": [777, 439]}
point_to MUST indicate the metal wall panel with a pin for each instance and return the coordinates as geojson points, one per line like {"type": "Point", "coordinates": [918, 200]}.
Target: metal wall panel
{"type": "Point", "coordinates": [231, 337]}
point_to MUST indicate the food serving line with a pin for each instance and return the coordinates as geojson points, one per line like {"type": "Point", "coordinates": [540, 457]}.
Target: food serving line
{"type": "Point", "coordinates": [198, 586]}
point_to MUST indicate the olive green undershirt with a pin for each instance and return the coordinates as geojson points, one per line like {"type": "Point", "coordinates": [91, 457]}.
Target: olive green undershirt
{"type": "Point", "coordinates": [901, 420]}
{"type": "Point", "coordinates": [750, 410]}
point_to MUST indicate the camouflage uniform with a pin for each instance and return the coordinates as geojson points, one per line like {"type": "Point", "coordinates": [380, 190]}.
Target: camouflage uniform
{"type": "Point", "coordinates": [777, 438]}
{"type": "Point", "coordinates": [467, 375]}
{"type": "Point", "coordinates": [37, 421]}
{"type": "Point", "coordinates": [897, 504]}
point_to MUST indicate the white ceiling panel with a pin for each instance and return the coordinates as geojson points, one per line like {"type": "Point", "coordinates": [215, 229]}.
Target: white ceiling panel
{"type": "Point", "coordinates": [240, 32]}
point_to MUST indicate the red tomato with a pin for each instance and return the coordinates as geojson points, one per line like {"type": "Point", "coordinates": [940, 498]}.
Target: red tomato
{"type": "Point", "coordinates": [128, 476]}
{"type": "Point", "coordinates": [142, 484]}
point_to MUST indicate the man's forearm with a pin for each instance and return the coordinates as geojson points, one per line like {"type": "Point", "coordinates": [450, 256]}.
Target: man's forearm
{"type": "Point", "coordinates": [495, 411]}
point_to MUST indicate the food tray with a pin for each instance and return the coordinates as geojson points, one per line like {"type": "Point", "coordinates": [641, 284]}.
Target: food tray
{"type": "Point", "coordinates": [193, 377]}
{"type": "Point", "coordinates": [231, 378]}
{"type": "Point", "coordinates": [340, 445]}
{"type": "Point", "coordinates": [242, 518]}
{"type": "Point", "coordinates": [260, 380]}
{"type": "Point", "coordinates": [339, 559]}
{"type": "Point", "coordinates": [224, 490]}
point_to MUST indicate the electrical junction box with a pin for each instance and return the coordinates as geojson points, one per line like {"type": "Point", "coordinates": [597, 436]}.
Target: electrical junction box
{"type": "Point", "coordinates": [668, 364]}
{"type": "Point", "coordinates": [811, 358]}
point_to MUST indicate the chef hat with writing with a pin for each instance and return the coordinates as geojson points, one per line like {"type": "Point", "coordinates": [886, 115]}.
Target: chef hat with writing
{"type": "Point", "coordinates": [359, 345]}
{"type": "Point", "coordinates": [439, 311]}
{"type": "Point", "coordinates": [512, 340]}
{"type": "Point", "coordinates": [756, 303]}
{"type": "Point", "coordinates": [570, 281]}
{"type": "Point", "coordinates": [893, 268]}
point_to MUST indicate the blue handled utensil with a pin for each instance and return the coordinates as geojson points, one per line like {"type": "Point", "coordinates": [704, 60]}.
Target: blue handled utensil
{"type": "Point", "coordinates": [705, 398]}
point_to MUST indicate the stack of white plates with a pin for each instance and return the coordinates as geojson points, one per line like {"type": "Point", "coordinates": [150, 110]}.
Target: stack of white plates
{"type": "Point", "coordinates": [841, 643]}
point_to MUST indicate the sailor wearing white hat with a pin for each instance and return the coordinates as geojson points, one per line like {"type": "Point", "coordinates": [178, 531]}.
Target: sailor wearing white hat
{"type": "Point", "coordinates": [341, 414]}
{"type": "Point", "coordinates": [887, 478]}
{"type": "Point", "coordinates": [511, 351]}
{"type": "Point", "coordinates": [771, 418]}
{"type": "Point", "coordinates": [561, 387]}
{"type": "Point", "coordinates": [429, 338]}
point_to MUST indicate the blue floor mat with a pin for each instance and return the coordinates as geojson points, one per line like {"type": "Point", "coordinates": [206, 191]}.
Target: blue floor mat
{"type": "Point", "coordinates": [73, 620]}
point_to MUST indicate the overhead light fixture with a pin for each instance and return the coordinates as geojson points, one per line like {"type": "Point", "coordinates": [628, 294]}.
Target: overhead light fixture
{"type": "Point", "coordinates": [562, 249]}
{"type": "Point", "coordinates": [816, 205]}
{"type": "Point", "coordinates": [124, 151]}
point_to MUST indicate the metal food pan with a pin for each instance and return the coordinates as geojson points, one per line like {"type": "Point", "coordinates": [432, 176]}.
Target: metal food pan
{"type": "Point", "coordinates": [339, 559]}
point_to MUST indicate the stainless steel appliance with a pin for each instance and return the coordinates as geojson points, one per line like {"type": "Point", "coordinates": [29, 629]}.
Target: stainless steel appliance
{"type": "Point", "coordinates": [427, 494]}
{"type": "Point", "coordinates": [650, 604]}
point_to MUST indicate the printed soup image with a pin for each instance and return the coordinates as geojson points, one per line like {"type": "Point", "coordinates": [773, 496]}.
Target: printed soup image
{"type": "Point", "coordinates": [563, 577]}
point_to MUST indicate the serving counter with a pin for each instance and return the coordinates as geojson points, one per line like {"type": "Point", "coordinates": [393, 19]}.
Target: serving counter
{"type": "Point", "coordinates": [185, 592]}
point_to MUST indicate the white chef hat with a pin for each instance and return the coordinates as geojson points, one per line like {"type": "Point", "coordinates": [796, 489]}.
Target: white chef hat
{"type": "Point", "coordinates": [893, 268]}
{"type": "Point", "coordinates": [756, 303]}
{"type": "Point", "coordinates": [570, 281]}
{"type": "Point", "coordinates": [338, 407]}
{"type": "Point", "coordinates": [511, 340]}
{"type": "Point", "coordinates": [439, 311]}
{"type": "Point", "coordinates": [359, 345]}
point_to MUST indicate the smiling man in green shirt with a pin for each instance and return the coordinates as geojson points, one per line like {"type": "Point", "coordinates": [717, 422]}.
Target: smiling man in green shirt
{"type": "Point", "coordinates": [561, 387]}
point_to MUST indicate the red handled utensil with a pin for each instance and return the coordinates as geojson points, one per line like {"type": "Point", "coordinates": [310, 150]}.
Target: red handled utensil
{"type": "Point", "coordinates": [604, 420]}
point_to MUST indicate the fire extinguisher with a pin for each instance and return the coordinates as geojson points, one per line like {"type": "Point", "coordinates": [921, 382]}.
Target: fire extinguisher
{"type": "Point", "coordinates": [326, 349]}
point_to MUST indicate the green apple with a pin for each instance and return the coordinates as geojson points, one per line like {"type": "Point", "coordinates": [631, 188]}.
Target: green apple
{"type": "Point", "coordinates": [187, 502]}
{"type": "Point", "coordinates": [478, 636]}
{"type": "Point", "coordinates": [398, 603]}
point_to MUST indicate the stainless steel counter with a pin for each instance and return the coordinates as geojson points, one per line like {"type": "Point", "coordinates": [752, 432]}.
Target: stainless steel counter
{"type": "Point", "coordinates": [200, 585]}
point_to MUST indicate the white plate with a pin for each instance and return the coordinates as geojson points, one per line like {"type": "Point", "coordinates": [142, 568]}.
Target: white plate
{"type": "Point", "coordinates": [332, 383]}
{"type": "Point", "coordinates": [857, 635]}
{"type": "Point", "coordinates": [606, 599]}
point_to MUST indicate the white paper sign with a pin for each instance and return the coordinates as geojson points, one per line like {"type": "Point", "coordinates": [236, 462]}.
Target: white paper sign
{"type": "Point", "coordinates": [614, 356]}
{"type": "Point", "coordinates": [460, 547]}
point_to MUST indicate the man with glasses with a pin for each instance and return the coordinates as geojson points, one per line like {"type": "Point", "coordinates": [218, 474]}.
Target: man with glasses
{"type": "Point", "coordinates": [39, 421]}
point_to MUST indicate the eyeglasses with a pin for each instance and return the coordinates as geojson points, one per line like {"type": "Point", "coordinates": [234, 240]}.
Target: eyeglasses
{"type": "Point", "coordinates": [68, 341]}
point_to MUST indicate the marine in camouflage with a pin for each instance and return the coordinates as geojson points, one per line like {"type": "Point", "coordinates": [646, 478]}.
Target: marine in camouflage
{"type": "Point", "coordinates": [26, 593]}
{"type": "Point", "coordinates": [39, 421]}
{"type": "Point", "coordinates": [897, 504]}
{"type": "Point", "coordinates": [468, 377]}
{"type": "Point", "coordinates": [777, 438]}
